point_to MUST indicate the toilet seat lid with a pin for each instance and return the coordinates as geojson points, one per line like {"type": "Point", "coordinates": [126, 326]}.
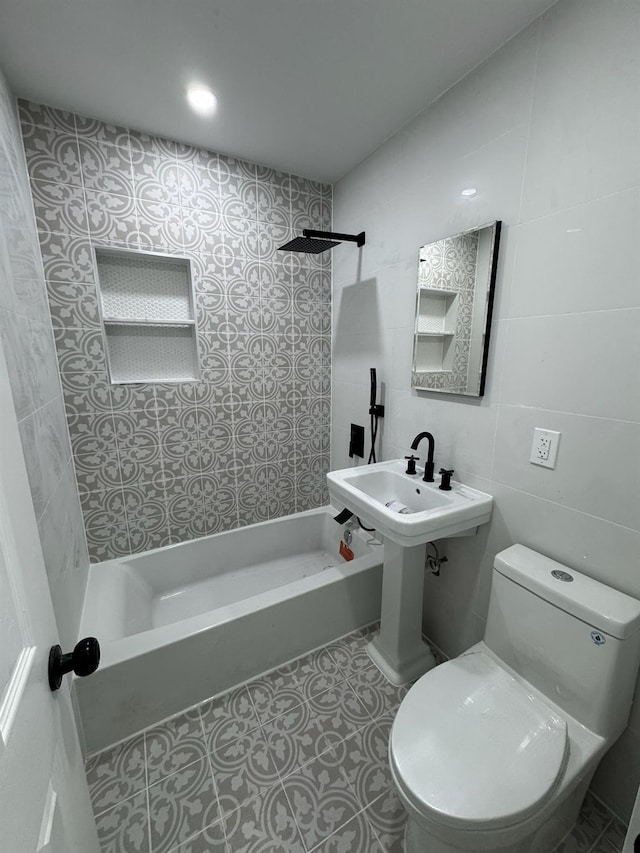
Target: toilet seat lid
{"type": "Point", "coordinates": [472, 748]}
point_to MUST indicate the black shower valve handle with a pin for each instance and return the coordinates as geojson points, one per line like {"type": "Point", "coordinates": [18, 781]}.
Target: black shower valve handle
{"type": "Point", "coordinates": [445, 483]}
{"type": "Point", "coordinates": [83, 660]}
{"type": "Point", "coordinates": [411, 464]}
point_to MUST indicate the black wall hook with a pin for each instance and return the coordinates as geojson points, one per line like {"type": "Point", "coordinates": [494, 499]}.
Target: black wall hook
{"type": "Point", "coordinates": [83, 660]}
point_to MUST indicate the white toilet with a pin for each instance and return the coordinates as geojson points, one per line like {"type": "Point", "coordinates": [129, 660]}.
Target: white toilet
{"type": "Point", "coordinates": [494, 750]}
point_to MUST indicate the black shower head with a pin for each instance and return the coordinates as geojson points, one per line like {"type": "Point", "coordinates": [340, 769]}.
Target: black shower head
{"type": "Point", "coordinates": [310, 245]}
{"type": "Point", "coordinates": [314, 242]}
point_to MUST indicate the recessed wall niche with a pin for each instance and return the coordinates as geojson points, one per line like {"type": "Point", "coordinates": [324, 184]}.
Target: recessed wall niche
{"type": "Point", "coordinates": [436, 321]}
{"type": "Point", "coordinates": [147, 307]}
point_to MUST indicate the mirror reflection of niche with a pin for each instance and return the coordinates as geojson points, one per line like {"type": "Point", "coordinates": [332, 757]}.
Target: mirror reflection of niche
{"type": "Point", "coordinates": [454, 295]}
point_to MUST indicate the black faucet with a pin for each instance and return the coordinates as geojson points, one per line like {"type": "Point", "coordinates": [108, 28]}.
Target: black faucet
{"type": "Point", "coordinates": [428, 465]}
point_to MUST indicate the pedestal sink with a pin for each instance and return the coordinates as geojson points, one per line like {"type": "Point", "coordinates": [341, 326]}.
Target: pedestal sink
{"type": "Point", "coordinates": [398, 650]}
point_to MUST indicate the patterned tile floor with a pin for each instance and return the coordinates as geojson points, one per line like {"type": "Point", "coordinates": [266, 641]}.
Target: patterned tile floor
{"type": "Point", "coordinates": [293, 761]}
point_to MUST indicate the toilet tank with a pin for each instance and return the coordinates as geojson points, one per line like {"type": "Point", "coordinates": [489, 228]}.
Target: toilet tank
{"type": "Point", "coordinates": [575, 639]}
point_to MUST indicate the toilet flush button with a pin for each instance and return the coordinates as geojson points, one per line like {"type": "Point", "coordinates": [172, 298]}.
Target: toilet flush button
{"type": "Point", "coordinates": [559, 575]}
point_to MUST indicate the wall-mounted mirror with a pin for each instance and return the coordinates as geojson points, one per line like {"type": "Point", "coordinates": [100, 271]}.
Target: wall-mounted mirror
{"type": "Point", "coordinates": [456, 279]}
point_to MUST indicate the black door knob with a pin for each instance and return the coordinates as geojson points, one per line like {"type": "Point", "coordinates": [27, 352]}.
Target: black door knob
{"type": "Point", "coordinates": [83, 660]}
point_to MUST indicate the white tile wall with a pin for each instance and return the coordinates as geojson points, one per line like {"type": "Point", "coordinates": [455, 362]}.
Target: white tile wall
{"type": "Point", "coordinates": [548, 131]}
{"type": "Point", "coordinates": [27, 338]}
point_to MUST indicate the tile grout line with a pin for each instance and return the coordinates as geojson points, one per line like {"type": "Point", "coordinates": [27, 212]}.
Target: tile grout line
{"type": "Point", "coordinates": [361, 811]}
{"type": "Point", "coordinates": [60, 384]}
{"type": "Point", "coordinates": [533, 85]}
{"type": "Point", "coordinates": [578, 314]}
{"type": "Point", "coordinates": [522, 407]}
{"type": "Point", "coordinates": [173, 159]}
{"type": "Point", "coordinates": [354, 793]}
{"type": "Point", "coordinates": [297, 502]}
{"type": "Point", "coordinates": [160, 446]}
{"type": "Point", "coordinates": [273, 785]}
{"type": "Point", "coordinates": [113, 806]}
{"type": "Point", "coordinates": [280, 783]}
{"type": "Point", "coordinates": [614, 816]}
{"type": "Point", "coordinates": [162, 779]}
{"type": "Point", "coordinates": [598, 838]}
{"type": "Point", "coordinates": [148, 801]}
{"type": "Point", "coordinates": [103, 338]}
{"type": "Point", "coordinates": [297, 468]}
{"type": "Point", "coordinates": [229, 370]}
{"type": "Point", "coordinates": [608, 825]}
{"type": "Point", "coordinates": [329, 749]}
{"type": "Point", "coordinates": [563, 506]}
{"type": "Point", "coordinates": [373, 720]}
{"type": "Point", "coordinates": [146, 790]}
{"type": "Point", "coordinates": [222, 818]}
{"type": "Point", "coordinates": [263, 398]}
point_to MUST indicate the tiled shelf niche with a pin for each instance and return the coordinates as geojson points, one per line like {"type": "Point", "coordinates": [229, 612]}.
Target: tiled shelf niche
{"type": "Point", "coordinates": [436, 321]}
{"type": "Point", "coordinates": [148, 316]}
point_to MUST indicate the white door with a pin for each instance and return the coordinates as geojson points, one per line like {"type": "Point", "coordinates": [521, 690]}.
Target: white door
{"type": "Point", "coordinates": [44, 802]}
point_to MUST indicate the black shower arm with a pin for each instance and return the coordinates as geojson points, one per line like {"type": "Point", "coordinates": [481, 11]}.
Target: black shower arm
{"type": "Point", "coordinates": [335, 235]}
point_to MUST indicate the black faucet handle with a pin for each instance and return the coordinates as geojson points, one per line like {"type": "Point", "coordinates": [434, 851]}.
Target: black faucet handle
{"type": "Point", "coordinates": [411, 464]}
{"type": "Point", "coordinates": [445, 483]}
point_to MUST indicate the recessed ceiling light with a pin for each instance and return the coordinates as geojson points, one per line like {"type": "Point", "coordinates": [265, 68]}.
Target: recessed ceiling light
{"type": "Point", "coordinates": [469, 192]}
{"type": "Point", "coordinates": [202, 100]}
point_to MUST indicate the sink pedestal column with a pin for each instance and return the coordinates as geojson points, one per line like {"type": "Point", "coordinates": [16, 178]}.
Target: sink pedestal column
{"type": "Point", "coordinates": [398, 650]}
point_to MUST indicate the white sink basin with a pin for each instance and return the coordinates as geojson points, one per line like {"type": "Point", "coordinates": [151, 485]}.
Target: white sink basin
{"type": "Point", "coordinates": [433, 513]}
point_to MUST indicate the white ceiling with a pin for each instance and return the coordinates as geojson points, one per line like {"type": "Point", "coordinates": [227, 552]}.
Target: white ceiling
{"type": "Point", "coordinates": [307, 86]}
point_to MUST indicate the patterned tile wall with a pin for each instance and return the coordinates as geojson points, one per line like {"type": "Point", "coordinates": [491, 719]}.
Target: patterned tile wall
{"type": "Point", "coordinates": [25, 335]}
{"type": "Point", "coordinates": [161, 463]}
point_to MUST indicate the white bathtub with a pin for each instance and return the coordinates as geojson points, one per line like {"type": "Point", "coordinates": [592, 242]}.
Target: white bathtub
{"type": "Point", "coordinates": [182, 623]}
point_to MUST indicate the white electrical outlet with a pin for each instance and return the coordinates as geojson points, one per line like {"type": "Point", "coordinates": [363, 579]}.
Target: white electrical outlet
{"type": "Point", "coordinates": [544, 449]}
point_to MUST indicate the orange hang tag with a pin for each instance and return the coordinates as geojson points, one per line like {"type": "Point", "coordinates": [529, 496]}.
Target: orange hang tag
{"type": "Point", "coordinates": [345, 552]}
